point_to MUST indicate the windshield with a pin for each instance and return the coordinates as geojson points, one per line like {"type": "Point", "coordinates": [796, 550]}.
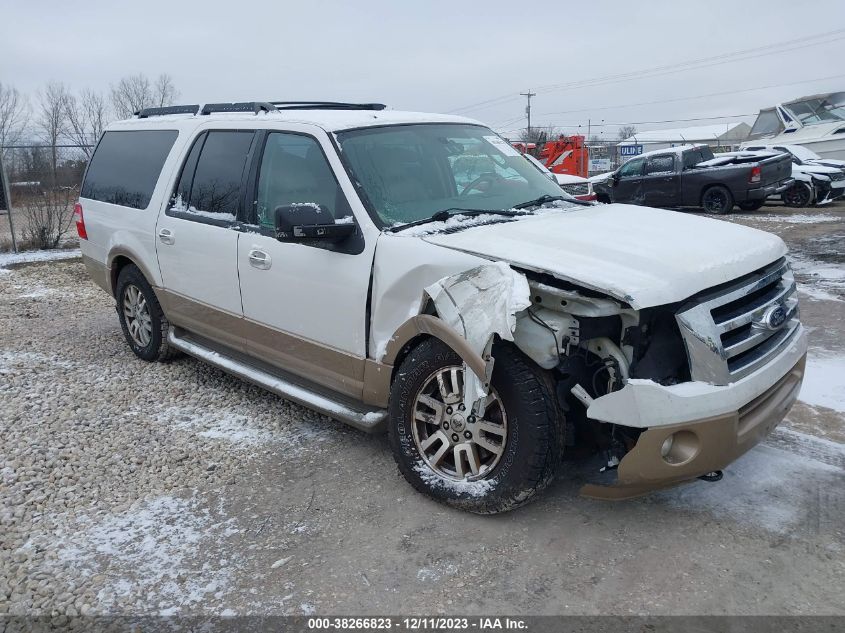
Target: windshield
{"type": "Point", "coordinates": [818, 109]}
{"type": "Point", "coordinates": [410, 172]}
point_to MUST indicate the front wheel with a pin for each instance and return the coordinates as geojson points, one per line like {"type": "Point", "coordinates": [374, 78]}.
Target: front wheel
{"type": "Point", "coordinates": [717, 199]}
{"type": "Point", "coordinates": [490, 460]}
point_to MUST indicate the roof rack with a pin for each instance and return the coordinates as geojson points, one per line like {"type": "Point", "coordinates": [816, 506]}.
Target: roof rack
{"type": "Point", "coordinates": [326, 105]}
{"type": "Point", "coordinates": [256, 107]}
{"type": "Point", "coordinates": [179, 109]}
{"type": "Point", "coordinates": [242, 106]}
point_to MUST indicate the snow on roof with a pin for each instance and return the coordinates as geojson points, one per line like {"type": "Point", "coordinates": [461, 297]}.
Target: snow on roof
{"type": "Point", "coordinates": [688, 134]}
{"type": "Point", "coordinates": [329, 120]}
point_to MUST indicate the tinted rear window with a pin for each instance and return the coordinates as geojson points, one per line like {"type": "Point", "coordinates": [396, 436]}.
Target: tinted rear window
{"type": "Point", "coordinates": [126, 167]}
{"type": "Point", "coordinates": [217, 179]}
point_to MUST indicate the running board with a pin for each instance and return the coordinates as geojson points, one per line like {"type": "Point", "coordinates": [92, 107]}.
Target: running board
{"type": "Point", "coordinates": [368, 420]}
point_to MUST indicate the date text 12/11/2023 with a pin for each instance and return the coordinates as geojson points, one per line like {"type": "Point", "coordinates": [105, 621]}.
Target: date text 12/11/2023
{"type": "Point", "coordinates": [419, 623]}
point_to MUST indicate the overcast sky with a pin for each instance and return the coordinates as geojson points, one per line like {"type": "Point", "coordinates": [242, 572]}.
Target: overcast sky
{"type": "Point", "coordinates": [439, 56]}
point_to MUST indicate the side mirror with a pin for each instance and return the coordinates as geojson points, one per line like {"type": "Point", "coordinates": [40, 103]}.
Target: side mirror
{"type": "Point", "coordinates": [309, 221]}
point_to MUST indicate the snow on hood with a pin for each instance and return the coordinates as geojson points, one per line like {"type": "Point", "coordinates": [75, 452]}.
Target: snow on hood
{"type": "Point", "coordinates": [645, 257]}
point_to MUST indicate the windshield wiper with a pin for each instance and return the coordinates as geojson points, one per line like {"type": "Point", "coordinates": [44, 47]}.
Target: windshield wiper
{"type": "Point", "coordinates": [538, 201]}
{"type": "Point", "coordinates": [445, 214]}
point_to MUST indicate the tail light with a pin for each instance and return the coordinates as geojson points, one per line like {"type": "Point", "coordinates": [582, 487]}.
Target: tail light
{"type": "Point", "coordinates": [754, 176]}
{"type": "Point", "coordinates": [80, 221]}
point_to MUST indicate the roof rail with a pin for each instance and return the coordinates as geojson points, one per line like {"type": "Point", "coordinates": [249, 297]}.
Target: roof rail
{"type": "Point", "coordinates": [243, 106]}
{"type": "Point", "coordinates": [179, 109]}
{"type": "Point", "coordinates": [326, 105]}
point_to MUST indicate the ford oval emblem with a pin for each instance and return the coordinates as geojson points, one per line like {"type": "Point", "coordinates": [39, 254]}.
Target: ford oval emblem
{"type": "Point", "coordinates": [774, 318]}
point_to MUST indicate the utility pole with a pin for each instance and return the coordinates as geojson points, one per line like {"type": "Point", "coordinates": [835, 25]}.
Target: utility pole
{"type": "Point", "coordinates": [528, 95]}
{"type": "Point", "coordinates": [6, 200]}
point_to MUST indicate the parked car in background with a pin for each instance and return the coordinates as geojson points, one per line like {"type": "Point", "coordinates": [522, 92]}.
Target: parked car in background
{"type": "Point", "coordinates": [577, 187]}
{"type": "Point", "coordinates": [413, 273]}
{"type": "Point", "coordinates": [818, 180]}
{"type": "Point", "coordinates": [814, 183]}
{"type": "Point", "coordinates": [686, 176]}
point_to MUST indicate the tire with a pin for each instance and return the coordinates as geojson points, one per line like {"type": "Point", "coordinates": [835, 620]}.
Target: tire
{"type": "Point", "coordinates": [529, 449]}
{"type": "Point", "coordinates": [798, 195]}
{"type": "Point", "coordinates": [717, 199]}
{"type": "Point", "coordinates": [751, 205]}
{"type": "Point", "coordinates": [147, 339]}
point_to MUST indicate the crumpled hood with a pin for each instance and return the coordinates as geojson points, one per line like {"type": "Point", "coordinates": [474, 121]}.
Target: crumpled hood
{"type": "Point", "coordinates": [646, 257]}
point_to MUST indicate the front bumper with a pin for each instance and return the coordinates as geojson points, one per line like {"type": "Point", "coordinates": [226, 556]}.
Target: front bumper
{"type": "Point", "coordinates": [702, 446]}
{"type": "Point", "coordinates": [770, 190]}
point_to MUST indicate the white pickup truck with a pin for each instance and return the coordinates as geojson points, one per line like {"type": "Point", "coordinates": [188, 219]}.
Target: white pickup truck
{"type": "Point", "coordinates": [414, 273]}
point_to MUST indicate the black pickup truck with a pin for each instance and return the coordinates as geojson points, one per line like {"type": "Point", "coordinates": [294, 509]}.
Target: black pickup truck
{"type": "Point", "coordinates": [682, 177]}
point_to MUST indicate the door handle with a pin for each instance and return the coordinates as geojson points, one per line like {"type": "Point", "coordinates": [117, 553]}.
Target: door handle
{"type": "Point", "coordinates": [166, 236]}
{"type": "Point", "coordinates": [259, 259]}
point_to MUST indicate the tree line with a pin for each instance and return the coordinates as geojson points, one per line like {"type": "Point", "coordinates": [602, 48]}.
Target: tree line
{"type": "Point", "coordinates": [33, 128]}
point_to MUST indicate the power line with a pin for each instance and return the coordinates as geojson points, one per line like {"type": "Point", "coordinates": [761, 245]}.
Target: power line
{"type": "Point", "coordinates": [711, 94]}
{"type": "Point", "coordinates": [705, 62]}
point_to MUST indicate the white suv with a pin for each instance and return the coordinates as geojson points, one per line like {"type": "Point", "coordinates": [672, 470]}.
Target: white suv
{"type": "Point", "coordinates": [414, 272]}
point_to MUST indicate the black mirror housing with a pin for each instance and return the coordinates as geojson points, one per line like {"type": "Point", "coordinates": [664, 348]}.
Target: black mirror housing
{"type": "Point", "coordinates": [309, 221]}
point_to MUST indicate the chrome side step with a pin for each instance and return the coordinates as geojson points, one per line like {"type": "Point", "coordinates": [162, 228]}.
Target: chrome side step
{"type": "Point", "coordinates": [368, 420]}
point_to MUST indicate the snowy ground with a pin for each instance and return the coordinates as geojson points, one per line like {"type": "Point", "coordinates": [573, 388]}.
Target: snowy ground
{"type": "Point", "coordinates": [128, 487]}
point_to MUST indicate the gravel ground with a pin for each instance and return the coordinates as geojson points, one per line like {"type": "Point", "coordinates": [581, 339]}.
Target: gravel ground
{"type": "Point", "coordinates": [135, 488]}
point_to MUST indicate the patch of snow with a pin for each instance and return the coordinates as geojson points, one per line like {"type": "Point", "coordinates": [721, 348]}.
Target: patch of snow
{"type": "Point", "coordinates": [817, 294]}
{"type": "Point", "coordinates": [824, 382]}
{"type": "Point", "coordinates": [281, 562]}
{"type": "Point", "coordinates": [307, 608]}
{"type": "Point", "coordinates": [215, 425]}
{"type": "Point", "coordinates": [768, 487]}
{"type": "Point", "coordinates": [793, 219]}
{"type": "Point", "coordinates": [476, 489]}
{"type": "Point", "coordinates": [436, 572]}
{"type": "Point", "coordinates": [179, 206]}
{"type": "Point", "coordinates": [27, 257]}
{"type": "Point", "coordinates": [159, 542]}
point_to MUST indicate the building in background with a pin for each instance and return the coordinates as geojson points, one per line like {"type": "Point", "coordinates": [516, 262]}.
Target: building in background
{"type": "Point", "coordinates": [721, 137]}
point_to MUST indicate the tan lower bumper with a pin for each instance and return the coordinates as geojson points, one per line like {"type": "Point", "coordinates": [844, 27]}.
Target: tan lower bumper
{"type": "Point", "coordinates": [701, 446]}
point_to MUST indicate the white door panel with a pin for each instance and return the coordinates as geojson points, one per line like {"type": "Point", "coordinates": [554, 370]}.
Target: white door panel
{"type": "Point", "coordinates": [308, 292]}
{"type": "Point", "coordinates": [200, 262]}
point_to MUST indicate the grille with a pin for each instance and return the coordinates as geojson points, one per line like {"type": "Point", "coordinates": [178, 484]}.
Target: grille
{"type": "Point", "coordinates": [577, 188]}
{"type": "Point", "coordinates": [737, 328]}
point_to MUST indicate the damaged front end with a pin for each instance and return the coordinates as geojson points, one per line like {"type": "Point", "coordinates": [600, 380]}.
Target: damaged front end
{"type": "Point", "coordinates": [634, 386]}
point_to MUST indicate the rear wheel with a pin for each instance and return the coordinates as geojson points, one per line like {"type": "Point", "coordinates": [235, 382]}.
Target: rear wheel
{"type": "Point", "coordinates": [141, 318]}
{"type": "Point", "coordinates": [717, 199]}
{"type": "Point", "coordinates": [751, 205]}
{"type": "Point", "coordinates": [490, 460]}
{"type": "Point", "coordinates": [798, 195]}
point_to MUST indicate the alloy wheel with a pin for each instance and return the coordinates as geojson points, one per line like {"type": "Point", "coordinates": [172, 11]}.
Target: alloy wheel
{"type": "Point", "coordinates": [137, 315]}
{"type": "Point", "coordinates": [458, 444]}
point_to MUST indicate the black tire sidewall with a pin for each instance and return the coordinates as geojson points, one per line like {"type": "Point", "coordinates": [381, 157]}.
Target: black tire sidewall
{"type": "Point", "coordinates": [131, 275]}
{"type": "Point", "coordinates": [531, 434]}
{"type": "Point", "coordinates": [729, 201]}
{"type": "Point", "coordinates": [808, 193]}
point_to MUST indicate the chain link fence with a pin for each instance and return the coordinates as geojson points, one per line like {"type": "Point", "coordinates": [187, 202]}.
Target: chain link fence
{"type": "Point", "coordinates": [42, 184]}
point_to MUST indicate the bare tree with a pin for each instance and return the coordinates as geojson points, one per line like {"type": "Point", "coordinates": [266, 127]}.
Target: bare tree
{"type": "Point", "coordinates": [87, 116]}
{"type": "Point", "coordinates": [626, 131]}
{"type": "Point", "coordinates": [51, 119]}
{"type": "Point", "coordinates": [14, 116]}
{"type": "Point", "coordinates": [539, 135]}
{"type": "Point", "coordinates": [165, 92]}
{"type": "Point", "coordinates": [135, 93]}
{"type": "Point", "coordinates": [48, 216]}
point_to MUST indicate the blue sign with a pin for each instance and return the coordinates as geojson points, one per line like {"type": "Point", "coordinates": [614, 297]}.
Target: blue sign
{"type": "Point", "coordinates": [631, 150]}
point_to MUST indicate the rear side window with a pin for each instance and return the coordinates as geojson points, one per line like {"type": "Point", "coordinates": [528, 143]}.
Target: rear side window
{"type": "Point", "coordinates": [210, 183]}
{"type": "Point", "coordinates": [126, 166]}
{"type": "Point", "coordinates": [660, 164]}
